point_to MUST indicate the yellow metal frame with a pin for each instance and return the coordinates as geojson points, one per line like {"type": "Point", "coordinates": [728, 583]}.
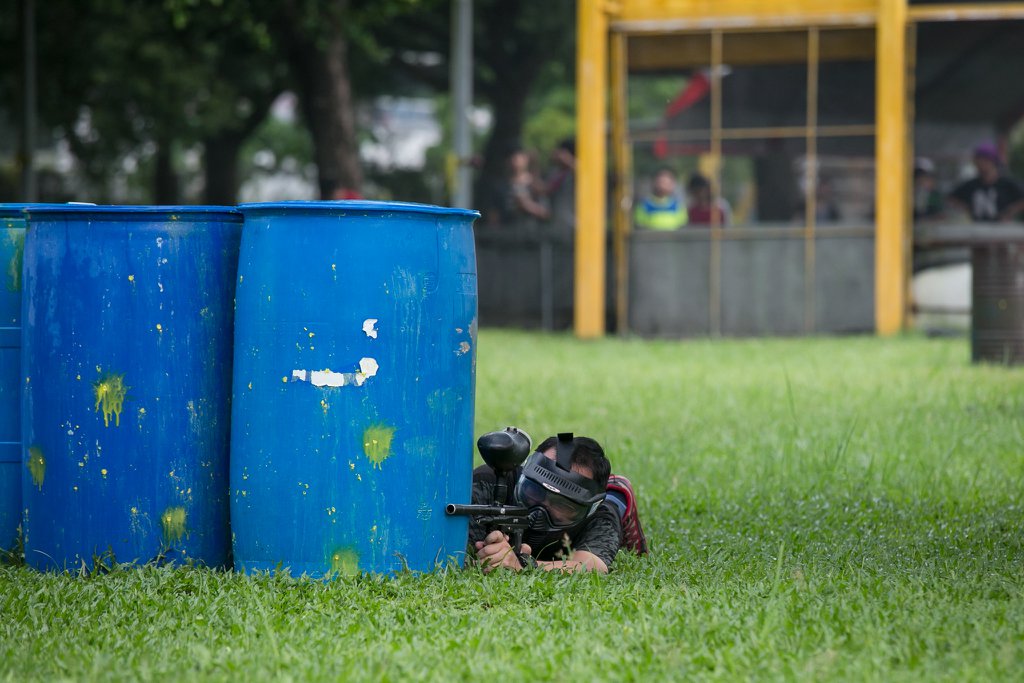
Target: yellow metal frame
{"type": "Point", "coordinates": [602, 22]}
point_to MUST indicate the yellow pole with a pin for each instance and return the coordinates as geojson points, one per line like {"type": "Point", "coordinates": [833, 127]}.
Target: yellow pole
{"type": "Point", "coordinates": [891, 167]}
{"type": "Point", "coordinates": [623, 180]}
{"type": "Point", "coordinates": [591, 155]}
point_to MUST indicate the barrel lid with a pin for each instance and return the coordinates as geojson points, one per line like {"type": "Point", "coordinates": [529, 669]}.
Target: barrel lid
{"type": "Point", "coordinates": [127, 210]}
{"type": "Point", "coordinates": [357, 206]}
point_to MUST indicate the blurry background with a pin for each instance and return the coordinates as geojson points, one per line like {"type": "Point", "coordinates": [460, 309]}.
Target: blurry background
{"type": "Point", "coordinates": [218, 101]}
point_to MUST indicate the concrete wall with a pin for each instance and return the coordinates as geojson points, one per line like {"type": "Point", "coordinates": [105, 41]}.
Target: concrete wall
{"type": "Point", "coordinates": [523, 269]}
{"type": "Point", "coordinates": [762, 285]}
{"type": "Point", "coordinates": [525, 277]}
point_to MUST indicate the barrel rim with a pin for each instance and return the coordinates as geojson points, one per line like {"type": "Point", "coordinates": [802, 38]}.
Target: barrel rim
{"type": "Point", "coordinates": [17, 209]}
{"type": "Point", "coordinates": [131, 210]}
{"type": "Point", "coordinates": [348, 205]}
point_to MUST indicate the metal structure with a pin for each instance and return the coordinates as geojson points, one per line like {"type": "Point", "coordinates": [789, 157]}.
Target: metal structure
{"type": "Point", "coordinates": [618, 39]}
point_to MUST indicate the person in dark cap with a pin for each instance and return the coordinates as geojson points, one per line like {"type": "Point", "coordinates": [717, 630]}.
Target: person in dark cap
{"type": "Point", "coordinates": [990, 196]}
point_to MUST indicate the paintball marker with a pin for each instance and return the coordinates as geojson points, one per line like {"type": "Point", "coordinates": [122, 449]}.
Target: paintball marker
{"type": "Point", "coordinates": [503, 451]}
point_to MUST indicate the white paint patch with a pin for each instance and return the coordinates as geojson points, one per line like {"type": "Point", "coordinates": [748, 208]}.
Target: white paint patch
{"type": "Point", "coordinates": [370, 327]}
{"type": "Point", "coordinates": [368, 367]}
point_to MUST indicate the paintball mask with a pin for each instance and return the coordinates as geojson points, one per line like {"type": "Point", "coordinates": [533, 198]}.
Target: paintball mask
{"type": "Point", "coordinates": [551, 489]}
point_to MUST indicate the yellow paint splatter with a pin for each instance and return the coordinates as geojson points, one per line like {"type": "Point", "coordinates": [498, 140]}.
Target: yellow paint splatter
{"type": "Point", "coordinates": [110, 391]}
{"type": "Point", "coordinates": [131, 278]}
{"type": "Point", "coordinates": [159, 327]}
{"type": "Point", "coordinates": [173, 523]}
{"type": "Point", "coordinates": [37, 465]}
{"type": "Point", "coordinates": [345, 561]}
{"type": "Point", "coordinates": [104, 472]}
{"type": "Point", "coordinates": [324, 405]}
{"type": "Point", "coordinates": [377, 443]}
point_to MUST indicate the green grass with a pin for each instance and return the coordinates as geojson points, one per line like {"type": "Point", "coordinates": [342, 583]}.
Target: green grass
{"type": "Point", "coordinates": [818, 509]}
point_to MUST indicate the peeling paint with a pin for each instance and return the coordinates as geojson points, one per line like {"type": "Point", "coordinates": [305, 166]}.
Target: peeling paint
{"type": "Point", "coordinates": [173, 523]}
{"type": "Point", "coordinates": [370, 327]}
{"type": "Point", "coordinates": [110, 391]}
{"type": "Point", "coordinates": [327, 378]}
{"type": "Point", "coordinates": [463, 349]}
{"type": "Point", "coordinates": [37, 466]}
{"type": "Point", "coordinates": [377, 443]}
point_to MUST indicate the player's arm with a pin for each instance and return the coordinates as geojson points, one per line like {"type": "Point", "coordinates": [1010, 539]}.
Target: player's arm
{"type": "Point", "coordinates": [579, 561]}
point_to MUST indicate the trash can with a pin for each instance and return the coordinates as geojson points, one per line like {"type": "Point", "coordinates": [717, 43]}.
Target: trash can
{"type": "Point", "coordinates": [352, 411]}
{"type": "Point", "coordinates": [997, 303]}
{"type": "Point", "coordinates": [12, 244]}
{"type": "Point", "coordinates": [126, 383]}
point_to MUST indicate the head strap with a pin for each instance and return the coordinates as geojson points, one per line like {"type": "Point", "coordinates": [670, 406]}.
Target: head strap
{"type": "Point", "coordinates": [563, 454]}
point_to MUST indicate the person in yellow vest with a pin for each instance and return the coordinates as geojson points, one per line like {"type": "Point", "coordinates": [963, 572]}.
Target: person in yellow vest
{"type": "Point", "coordinates": [665, 208]}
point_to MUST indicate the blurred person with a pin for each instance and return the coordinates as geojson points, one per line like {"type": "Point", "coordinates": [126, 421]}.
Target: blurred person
{"type": "Point", "coordinates": [989, 196]}
{"type": "Point", "coordinates": [586, 519]}
{"type": "Point", "coordinates": [826, 210]}
{"type": "Point", "coordinates": [664, 209]}
{"type": "Point", "coordinates": [929, 203]}
{"type": "Point", "coordinates": [524, 196]}
{"type": "Point", "coordinates": [704, 209]}
{"type": "Point", "coordinates": [560, 187]}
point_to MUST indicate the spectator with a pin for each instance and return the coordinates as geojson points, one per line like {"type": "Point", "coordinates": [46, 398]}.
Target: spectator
{"type": "Point", "coordinates": [664, 208]}
{"type": "Point", "coordinates": [705, 209]}
{"type": "Point", "coordinates": [560, 187]}
{"type": "Point", "coordinates": [989, 196]}
{"type": "Point", "coordinates": [928, 201]}
{"type": "Point", "coordinates": [524, 191]}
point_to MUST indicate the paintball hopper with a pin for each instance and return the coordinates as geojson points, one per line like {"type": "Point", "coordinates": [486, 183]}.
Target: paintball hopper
{"type": "Point", "coordinates": [504, 450]}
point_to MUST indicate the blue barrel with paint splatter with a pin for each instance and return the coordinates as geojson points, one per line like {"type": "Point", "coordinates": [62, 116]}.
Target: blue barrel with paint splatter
{"type": "Point", "coordinates": [352, 411]}
{"type": "Point", "coordinates": [12, 242]}
{"type": "Point", "coordinates": [127, 350]}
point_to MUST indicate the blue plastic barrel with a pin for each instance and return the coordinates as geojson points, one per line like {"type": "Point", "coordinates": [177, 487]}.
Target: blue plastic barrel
{"type": "Point", "coordinates": [352, 412]}
{"type": "Point", "coordinates": [12, 242]}
{"type": "Point", "coordinates": [127, 378]}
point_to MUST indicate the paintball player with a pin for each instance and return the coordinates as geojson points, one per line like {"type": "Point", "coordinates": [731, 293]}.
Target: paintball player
{"type": "Point", "coordinates": [587, 517]}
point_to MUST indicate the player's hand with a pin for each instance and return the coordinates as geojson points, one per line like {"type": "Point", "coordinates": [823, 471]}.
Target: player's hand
{"type": "Point", "coordinates": [494, 552]}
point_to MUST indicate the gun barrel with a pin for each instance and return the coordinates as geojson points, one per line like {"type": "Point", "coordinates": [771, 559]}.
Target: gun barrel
{"type": "Point", "coordinates": [486, 510]}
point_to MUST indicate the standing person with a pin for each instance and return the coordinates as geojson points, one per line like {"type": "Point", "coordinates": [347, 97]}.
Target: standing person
{"type": "Point", "coordinates": [990, 196]}
{"type": "Point", "coordinates": [523, 199]}
{"type": "Point", "coordinates": [703, 209]}
{"type": "Point", "coordinates": [664, 209]}
{"type": "Point", "coordinates": [560, 187]}
{"type": "Point", "coordinates": [928, 201]}
{"type": "Point", "coordinates": [588, 516]}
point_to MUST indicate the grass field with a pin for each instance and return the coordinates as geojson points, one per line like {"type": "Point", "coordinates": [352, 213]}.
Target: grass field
{"type": "Point", "coordinates": [825, 509]}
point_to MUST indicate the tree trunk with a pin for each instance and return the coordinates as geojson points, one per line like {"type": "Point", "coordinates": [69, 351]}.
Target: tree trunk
{"type": "Point", "coordinates": [220, 168]}
{"type": "Point", "coordinates": [165, 180]}
{"type": "Point", "coordinates": [320, 67]}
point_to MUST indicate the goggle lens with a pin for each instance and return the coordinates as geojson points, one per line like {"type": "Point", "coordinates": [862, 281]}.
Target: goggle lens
{"type": "Point", "coordinates": [562, 510]}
